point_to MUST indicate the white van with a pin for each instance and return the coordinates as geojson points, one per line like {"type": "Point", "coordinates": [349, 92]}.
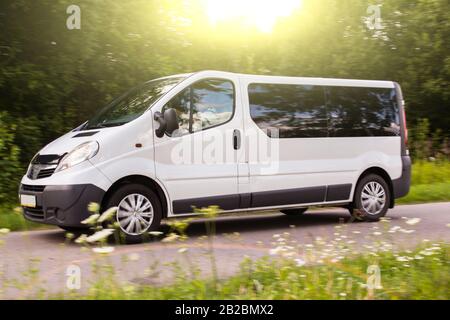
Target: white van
{"type": "Point", "coordinates": [241, 142]}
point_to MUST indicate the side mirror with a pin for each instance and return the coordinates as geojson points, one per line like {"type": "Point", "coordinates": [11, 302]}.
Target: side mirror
{"type": "Point", "coordinates": [170, 116]}
{"type": "Point", "coordinates": [167, 122]}
{"type": "Point", "coordinates": [162, 124]}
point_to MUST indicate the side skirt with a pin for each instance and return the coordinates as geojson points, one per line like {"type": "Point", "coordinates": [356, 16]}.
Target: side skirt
{"type": "Point", "coordinates": [321, 194]}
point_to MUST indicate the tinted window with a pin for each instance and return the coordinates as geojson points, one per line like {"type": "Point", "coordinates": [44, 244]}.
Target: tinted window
{"type": "Point", "coordinates": [359, 112]}
{"type": "Point", "coordinates": [297, 111]}
{"type": "Point", "coordinates": [203, 105]}
{"type": "Point", "coordinates": [132, 104]}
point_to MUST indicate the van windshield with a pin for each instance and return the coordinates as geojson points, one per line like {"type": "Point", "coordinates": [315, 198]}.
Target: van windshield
{"type": "Point", "coordinates": [132, 104]}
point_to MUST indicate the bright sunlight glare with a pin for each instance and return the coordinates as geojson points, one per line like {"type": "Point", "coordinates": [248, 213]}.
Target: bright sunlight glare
{"type": "Point", "coordinates": [262, 14]}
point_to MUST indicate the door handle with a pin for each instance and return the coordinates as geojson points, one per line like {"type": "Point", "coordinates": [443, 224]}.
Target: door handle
{"type": "Point", "coordinates": [236, 139]}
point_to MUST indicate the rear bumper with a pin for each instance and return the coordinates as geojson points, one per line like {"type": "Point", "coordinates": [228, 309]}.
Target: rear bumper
{"type": "Point", "coordinates": [62, 205]}
{"type": "Point", "coordinates": [401, 185]}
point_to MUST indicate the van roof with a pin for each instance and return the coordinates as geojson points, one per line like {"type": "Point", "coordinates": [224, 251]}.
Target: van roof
{"type": "Point", "coordinates": [252, 78]}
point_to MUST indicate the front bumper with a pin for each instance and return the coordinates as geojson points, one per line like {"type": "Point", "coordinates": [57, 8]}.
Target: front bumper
{"type": "Point", "coordinates": [62, 205]}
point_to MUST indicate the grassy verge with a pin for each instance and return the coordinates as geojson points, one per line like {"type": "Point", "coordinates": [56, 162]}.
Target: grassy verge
{"type": "Point", "coordinates": [430, 182]}
{"type": "Point", "coordinates": [13, 220]}
{"type": "Point", "coordinates": [420, 274]}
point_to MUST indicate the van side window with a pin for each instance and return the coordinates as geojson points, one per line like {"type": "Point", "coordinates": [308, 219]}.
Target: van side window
{"type": "Point", "coordinates": [360, 112]}
{"type": "Point", "coordinates": [297, 111]}
{"type": "Point", "coordinates": [205, 104]}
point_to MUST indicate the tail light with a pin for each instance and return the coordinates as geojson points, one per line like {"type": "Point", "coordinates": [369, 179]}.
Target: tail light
{"type": "Point", "coordinates": [405, 128]}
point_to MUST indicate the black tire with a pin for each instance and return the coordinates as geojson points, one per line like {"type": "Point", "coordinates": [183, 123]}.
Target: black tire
{"type": "Point", "coordinates": [130, 189]}
{"type": "Point", "coordinates": [294, 212]}
{"type": "Point", "coordinates": [378, 209]}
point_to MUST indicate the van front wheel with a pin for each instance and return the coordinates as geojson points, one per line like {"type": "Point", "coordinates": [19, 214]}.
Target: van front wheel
{"type": "Point", "coordinates": [138, 211]}
{"type": "Point", "coordinates": [371, 200]}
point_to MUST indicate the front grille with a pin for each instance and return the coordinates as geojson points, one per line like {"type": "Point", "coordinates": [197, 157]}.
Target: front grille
{"type": "Point", "coordinates": [45, 173]}
{"type": "Point", "coordinates": [34, 213]}
{"type": "Point", "coordinates": [26, 187]}
{"type": "Point", "coordinates": [43, 166]}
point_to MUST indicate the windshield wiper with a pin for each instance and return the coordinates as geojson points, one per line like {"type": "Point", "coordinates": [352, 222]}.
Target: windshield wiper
{"type": "Point", "coordinates": [106, 125]}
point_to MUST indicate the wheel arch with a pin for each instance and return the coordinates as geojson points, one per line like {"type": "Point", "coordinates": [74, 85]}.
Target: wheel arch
{"type": "Point", "coordinates": [382, 173]}
{"type": "Point", "coordinates": [143, 180]}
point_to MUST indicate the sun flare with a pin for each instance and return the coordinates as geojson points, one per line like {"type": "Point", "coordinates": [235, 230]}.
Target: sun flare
{"type": "Point", "coordinates": [262, 14]}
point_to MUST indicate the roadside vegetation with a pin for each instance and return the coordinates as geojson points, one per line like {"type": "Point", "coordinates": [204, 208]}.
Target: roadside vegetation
{"type": "Point", "coordinates": [339, 268]}
{"type": "Point", "coordinates": [420, 274]}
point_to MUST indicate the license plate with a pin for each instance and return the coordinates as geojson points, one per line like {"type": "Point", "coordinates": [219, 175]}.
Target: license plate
{"type": "Point", "coordinates": [27, 200]}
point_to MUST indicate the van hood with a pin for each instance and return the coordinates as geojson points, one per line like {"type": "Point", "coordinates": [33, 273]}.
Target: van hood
{"type": "Point", "coordinates": [72, 139]}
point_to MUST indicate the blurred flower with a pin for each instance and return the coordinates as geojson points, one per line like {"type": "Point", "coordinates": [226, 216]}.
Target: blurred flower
{"type": "Point", "coordinates": [69, 236]}
{"type": "Point", "coordinates": [133, 257]}
{"type": "Point", "coordinates": [107, 215]}
{"type": "Point", "coordinates": [171, 237]}
{"type": "Point", "coordinates": [413, 221]}
{"type": "Point", "coordinates": [300, 262]}
{"type": "Point", "coordinates": [91, 219]}
{"type": "Point", "coordinates": [4, 231]}
{"type": "Point", "coordinates": [100, 235]}
{"type": "Point", "coordinates": [155, 233]}
{"type": "Point", "coordinates": [103, 250]}
{"type": "Point", "coordinates": [81, 239]}
{"type": "Point", "coordinates": [93, 207]}
{"type": "Point", "coordinates": [402, 259]}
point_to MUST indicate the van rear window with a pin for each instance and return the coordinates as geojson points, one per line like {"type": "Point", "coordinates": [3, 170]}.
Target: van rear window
{"type": "Point", "coordinates": [305, 111]}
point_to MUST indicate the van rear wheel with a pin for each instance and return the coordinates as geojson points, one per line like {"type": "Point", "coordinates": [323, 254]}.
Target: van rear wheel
{"type": "Point", "coordinates": [138, 211]}
{"type": "Point", "coordinates": [372, 199]}
{"type": "Point", "coordinates": [294, 212]}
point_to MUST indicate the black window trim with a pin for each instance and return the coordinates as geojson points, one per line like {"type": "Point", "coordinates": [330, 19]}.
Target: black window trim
{"type": "Point", "coordinates": [190, 104]}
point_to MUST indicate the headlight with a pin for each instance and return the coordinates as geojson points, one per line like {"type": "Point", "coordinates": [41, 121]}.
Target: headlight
{"type": "Point", "coordinates": [83, 152]}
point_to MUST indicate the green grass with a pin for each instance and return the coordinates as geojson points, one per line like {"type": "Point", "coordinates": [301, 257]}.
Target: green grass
{"type": "Point", "coordinates": [13, 220]}
{"type": "Point", "coordinates": [424, 275]}
{"type": "Point", "coordinates": [430, 182]}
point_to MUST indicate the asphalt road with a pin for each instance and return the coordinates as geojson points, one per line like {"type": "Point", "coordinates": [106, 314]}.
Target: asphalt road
{"type": "Point", "coordinates": [46, 254]}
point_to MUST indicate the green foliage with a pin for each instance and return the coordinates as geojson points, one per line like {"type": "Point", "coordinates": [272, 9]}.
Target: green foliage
{"type": "Point", "coordinates": [424, 275]}
{"type": "Point", "coordinates": [430, 182]}
{"type": "Point", "coordinates": [9, 160]}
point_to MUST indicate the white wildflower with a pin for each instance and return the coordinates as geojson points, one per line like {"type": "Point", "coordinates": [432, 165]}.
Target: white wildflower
{"type": "Point", "coordinates": [300, 262]}
{"type": "Point", "coordinates": [103, 250]}
{"type": "Point", "coordinates": [107, 215]}
{"type": "Point", "coordinates": [91, 219]}
{"type": "Point", "coordinates": [100, 235]}
{"type": "Point", "coordinates": [171, 237]}
{"type": "Point", "coordinates": [402, 259]}
{"type": "Point", "coordinates": [413, 221]}
{"type": "Point", "coordinates": [155, 233]}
